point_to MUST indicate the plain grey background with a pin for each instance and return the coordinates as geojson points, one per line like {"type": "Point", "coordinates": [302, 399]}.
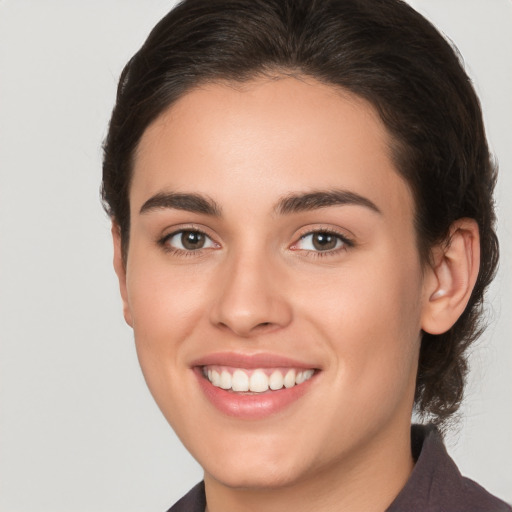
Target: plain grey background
{"type": "Point", "coordinates": [78, 429]}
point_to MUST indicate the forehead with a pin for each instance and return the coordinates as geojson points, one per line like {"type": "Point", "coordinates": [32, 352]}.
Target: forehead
{"type": "Point", "coordinates": [267, 138]}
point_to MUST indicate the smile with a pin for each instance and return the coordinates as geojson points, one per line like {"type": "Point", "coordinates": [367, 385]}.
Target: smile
{"type": "Point", "coordinates": [257, 380]}
{"type": "Point", "coordinates": [255, 386]}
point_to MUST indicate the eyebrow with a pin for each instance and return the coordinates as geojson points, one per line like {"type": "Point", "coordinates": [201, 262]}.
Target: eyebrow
{"type": "Point", "coordinates": [194, 203]}
{"type": "Point", "coordinates": [322, 199]}
{"type": "Point", "coordinates": [294, 203]}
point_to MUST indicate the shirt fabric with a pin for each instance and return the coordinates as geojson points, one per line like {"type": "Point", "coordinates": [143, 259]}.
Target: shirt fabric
{"type": "Point", "coordinates": [435, 484]}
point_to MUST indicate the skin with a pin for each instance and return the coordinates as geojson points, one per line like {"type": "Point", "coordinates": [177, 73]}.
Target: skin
{"type": "Point", "coordinates": [354, 313]}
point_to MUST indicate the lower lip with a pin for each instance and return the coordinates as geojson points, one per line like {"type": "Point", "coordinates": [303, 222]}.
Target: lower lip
{"type": "Point", "coordinates": [251, 406]}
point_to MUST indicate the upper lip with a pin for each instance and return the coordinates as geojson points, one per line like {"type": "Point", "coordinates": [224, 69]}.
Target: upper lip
{"type": "Point", "coordinates": [251, 361]}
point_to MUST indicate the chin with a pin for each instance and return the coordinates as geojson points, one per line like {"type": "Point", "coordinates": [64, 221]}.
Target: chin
{"type": "Point", "coordinates": [251, 461]}
{"type": "Point", "coordinates": [255, 477]}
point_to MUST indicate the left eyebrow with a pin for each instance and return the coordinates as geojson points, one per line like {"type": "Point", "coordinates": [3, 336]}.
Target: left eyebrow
{"type": "Point", "coordinates": [322, 199]}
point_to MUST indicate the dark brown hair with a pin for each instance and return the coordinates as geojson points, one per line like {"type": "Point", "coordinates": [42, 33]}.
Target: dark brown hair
{"type": "Point", "coordinates": [381, 50]}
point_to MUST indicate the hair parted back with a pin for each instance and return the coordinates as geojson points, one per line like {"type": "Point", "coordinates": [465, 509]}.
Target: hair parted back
{"type": "Point", "coordinates": [381, 50]}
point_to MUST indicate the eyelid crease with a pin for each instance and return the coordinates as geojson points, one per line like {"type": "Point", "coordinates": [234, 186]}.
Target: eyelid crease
{"type": "Point", "coordinates": [162, 241]}
{"type": "Point", "coordinates": [347, 244]}
{"type": "Point", "coordinates": [178, 228]}
{"type": "Point", "coordinates": [348, 240]}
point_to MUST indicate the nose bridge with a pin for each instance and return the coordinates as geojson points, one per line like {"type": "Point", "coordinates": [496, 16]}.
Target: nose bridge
{"type": "Point", "coordinates": [250, 299]}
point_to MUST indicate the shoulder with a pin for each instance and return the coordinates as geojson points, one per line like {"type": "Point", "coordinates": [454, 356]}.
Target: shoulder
{"type": "Point", "coordinates": [436, 484]}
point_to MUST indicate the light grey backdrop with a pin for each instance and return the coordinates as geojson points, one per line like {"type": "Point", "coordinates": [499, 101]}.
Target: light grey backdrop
{"type": "Point", "coordinates": [78, 429]}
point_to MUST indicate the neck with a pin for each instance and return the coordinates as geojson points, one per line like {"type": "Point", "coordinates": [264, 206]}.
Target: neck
{"type": "Point", "coordinates": [366, 482]}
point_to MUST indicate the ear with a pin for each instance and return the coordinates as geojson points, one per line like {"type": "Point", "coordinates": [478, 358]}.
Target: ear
{"type": "Point", "coordinates": [120, 268]}
{"type": "Point", "coordinates": [450, 279]}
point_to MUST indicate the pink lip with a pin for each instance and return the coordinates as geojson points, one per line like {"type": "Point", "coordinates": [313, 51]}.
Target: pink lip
{"type": "Point", "coordinates": [250, 361]}
{"type": "Point", "coordinates": [250, 406]}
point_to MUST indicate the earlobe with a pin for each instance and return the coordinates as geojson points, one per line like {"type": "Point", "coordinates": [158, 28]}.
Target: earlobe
{"type": "Point", "coordinates": [120, 269]}
{"type": "Point", "coordinates": [451, 277]}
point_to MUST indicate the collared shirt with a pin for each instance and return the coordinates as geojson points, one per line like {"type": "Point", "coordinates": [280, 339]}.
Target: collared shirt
{"type": "Point", "coordinates": [435, 484]}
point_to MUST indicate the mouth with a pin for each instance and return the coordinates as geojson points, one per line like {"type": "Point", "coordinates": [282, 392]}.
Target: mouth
{"type": "Point", "coordinates": [254, 387]}
{"type": "Point", "coordinates": [259, 380]}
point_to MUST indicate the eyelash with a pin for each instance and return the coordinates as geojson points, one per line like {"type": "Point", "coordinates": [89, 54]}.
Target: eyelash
{"type": "Point", "coordinates": [346, 243]}
{"type": "Point", "coordinates": [164, 242]}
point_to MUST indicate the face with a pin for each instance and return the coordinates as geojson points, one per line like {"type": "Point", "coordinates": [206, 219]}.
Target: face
{"type": "Point", "coordinates": [273, 280]}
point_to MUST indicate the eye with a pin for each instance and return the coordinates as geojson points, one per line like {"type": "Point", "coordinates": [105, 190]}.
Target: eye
{"type": "Point", "coordinates": [321, 241]}
{"type": "Point", "coordinates": [188, 240]}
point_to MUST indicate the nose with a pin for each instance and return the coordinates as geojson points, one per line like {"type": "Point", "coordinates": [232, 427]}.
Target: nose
{"type": "Point", "coordinates": [252, 297]}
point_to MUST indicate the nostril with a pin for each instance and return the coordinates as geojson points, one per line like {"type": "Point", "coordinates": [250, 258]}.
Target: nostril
{"type": "Point", "coordinates": [264, 327]}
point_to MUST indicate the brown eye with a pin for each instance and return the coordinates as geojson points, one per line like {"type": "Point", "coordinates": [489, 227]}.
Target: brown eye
{"type": "Point", "coordinates": [188, 240]}
{"type": "Point", "coordinates": [192, 240]}
{"type": "Point", "coordinates": [324, 241]}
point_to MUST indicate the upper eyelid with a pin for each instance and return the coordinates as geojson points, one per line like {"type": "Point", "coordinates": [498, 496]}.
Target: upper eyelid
{"type": "Point", "coordinates": [171, 249]}
{"type": "Point", "coordinates": [173, 230]}
{"type": "Point", "coordinates": [345, 244]}
{"type": "Point", "coordinates": [166, 236]}
{"type": "Point", "coordinates": [347, 238]}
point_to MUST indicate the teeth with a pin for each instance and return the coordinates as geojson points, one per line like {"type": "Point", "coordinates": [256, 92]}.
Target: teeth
{"type": "Point", "coordinates": [225, 380]}
{"type": "Point", "coordinates": [303, 376]}
{"type": "Point", "coordinates": [214, 378]}
{"type": "Point", "coordinates": [240, 381]}
{"type": "Point", "coordinates": [276, 380]}
{"type": "Point", "coordinates": [289, 379]}
{"type": "Point", "coordinates": [256, 381]}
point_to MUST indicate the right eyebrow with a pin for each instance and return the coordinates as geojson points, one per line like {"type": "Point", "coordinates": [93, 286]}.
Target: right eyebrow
{"type": "Point", "coordinates": [195, 203]}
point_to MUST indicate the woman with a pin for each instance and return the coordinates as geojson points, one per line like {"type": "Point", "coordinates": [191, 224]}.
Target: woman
{"type": "Point", "coordinates": [301, 197]}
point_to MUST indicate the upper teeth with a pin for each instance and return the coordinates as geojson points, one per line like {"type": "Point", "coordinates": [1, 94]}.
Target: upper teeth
{"type": "Point", "coordinates": [257, 381]}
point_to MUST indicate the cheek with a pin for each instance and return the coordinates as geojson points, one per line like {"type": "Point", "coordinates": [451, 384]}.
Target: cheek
{"type": "Point", "coordinates": [377, 294]}
{"type": "Point", "coordinates": [371, 317]}
{"type": "Point", "coordinates": [166, 304]}
{"type": "Point", "coordinates": [167, 307]}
